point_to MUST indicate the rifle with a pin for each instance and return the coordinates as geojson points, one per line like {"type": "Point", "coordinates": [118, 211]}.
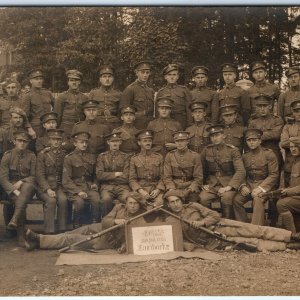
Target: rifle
{"type": "Point", "coordinates": [272, 195]}
{"type": "Point", "coordinates": [96, 235]}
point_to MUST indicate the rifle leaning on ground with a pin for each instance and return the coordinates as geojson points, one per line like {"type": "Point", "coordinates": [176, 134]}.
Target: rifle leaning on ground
{"type": "Point", "coordinates": [96, 235]}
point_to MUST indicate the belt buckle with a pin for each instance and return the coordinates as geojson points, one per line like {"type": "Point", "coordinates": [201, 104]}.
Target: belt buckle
{"type": "Point", "coordinates": [218, 173]}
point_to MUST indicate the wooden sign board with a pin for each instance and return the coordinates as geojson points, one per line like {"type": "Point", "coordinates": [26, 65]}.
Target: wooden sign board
{"type": "Point", "coordinates": [154, 238]}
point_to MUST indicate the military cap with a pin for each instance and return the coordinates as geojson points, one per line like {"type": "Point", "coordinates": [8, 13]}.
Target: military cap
{"type": "Point", "coordinates": [228, 109]}
{"type": "Point", "coordinates": [17, 110]}
{"type": "Point", "coordinates": [90, 103]}
{"type": "Point", "coordinates": [253, 133]}
{"type": "Point", "coordinates": [55, 133]}
{"type": "Point", "coordinates": [215, 129]}
{"type": "Point", "coordinates": [51, 115]}
{"type": "Point", "coordinates": [263, 99]}
{"type": "Point", "coordinates": [199, 70]}
{"type": "Point", "coordinates": [136, 196]}
{"type": "Point", "coordinates": [22, 135]}
{"type": "Point", "coordinates": [292, 70]}
{"type": "Point", "coordinates": [144, 134]}
{"type": "Point", "coordinates": [143, 65]}
{"type": "Point", "coordinates": [181, 135]}
{"type": "Point", "coordinates": [229, 67]}
{"type": "Point", "coordinates": [81, 135]}
{"type": "Point", "coordinates": [165, 101]}
{"type": "Point", "coordinates": [295, 140]}
{"type": "Point", "coordinates": [128, 109]}
{"type": "Point", "coordinates": [35, 73]}
{"type": "Point", "coordinates": [258, 65]}
{"type": "Point", "coordinates": [10, 81]}
{"type": "Point", "coordinates": [75, 74]}
{"type": "Point", "coordinates": [106, 70]}
{"type": "Point", "coordinates": [198, 105]}
{"type": "Point", "coordinates": [113, 136]}
{"type": "Point", "coordinates": [169, 68]}
{"type": "Point", "coordinates": [295, 104]}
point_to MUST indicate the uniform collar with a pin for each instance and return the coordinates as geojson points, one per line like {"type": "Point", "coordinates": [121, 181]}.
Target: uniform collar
{"type": "Point", "coordinates": [201, 88]}
{"type": "Point", "coordinates": [261, 84]}
{"type": "Point", "coordinates": [106, 88]}
{"type": "Point", "coordinates": [295, 88]}
{"type": "Point", "coordinates": [90, 122]}
{"type": "Point", "coordinates": [183, 151]}
{"type": "Point", "coordinates": [145, 152]}
{"type": "Point", "coordinates": [256, 151]}
{"type": "Point", "coordinates": [114, 153]}
{"type": "Point", "coordinates": [220, 146]}
{"type": "Point", "coordinates": [127, 126]}
{"type": "Point", "coordinates": [230, 86]}
{"type": "Point", "coordinates": [74, 91]}
{"type": "Point", "coordinates": [199, 123]}
{"type": "Point", "coordinates": [143, 84]}
{"type": "Point", "coordinates": [172, 85]}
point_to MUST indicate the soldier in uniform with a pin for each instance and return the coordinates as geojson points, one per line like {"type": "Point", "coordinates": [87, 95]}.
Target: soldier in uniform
{"type": "Point", "coordinates": [286, 98]}
{"type": "Point", "coordinates": [198, 135]}
{"type": "Point", "coordinates": [79, 179]}
{"type": "Point", "coordinates": [140, 95]}
{"type": "Point", "coordinates": [112, 170]}
{"type": "Point", "coordinates": [232, 94]}
{"type": "Point", "coordinates": [17, 178]}
{"type": "Point", "coordinates": [262, 86]}
{"type": "Point", "coordinates": [223, 169]}
{"type": "Point", "coordinates": [91, 125]}
{"type": "Point", "coordinates": [37, 101]}
{"type": "Point", "coordinates": [128, 131]}
{"type": "Point", "coordinates": [261, 176]}
{"type": "Point", "coordinates": [49, 168]}
{"type": "Point", "coordinates": [233, 130]}
{"type": "Point", "coordinates": [183, 168]}
{"type": "Point", "coordinates": [180, 95]}
{"type": "Point", "coordinates": [164, 127]}
{"type": "Point", "coordinates": [146, 170]}
{"type": "Point", "coordinates": [68, 104]}
{"type": "Point", "coordinates": [270, 124]}
{"type": "Point", "coordinates": [202, 93]}
{"type": "Point", "coordinates": [108, 98]}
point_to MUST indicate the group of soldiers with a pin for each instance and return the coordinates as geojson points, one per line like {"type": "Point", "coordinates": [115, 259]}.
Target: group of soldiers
{"type": "Point", "coordinates": [110, 147]}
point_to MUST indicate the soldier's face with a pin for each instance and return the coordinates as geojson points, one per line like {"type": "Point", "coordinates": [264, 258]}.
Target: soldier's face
{"type": "Point", "coordinates": [106, 79]}
{"type": "Point", "coordinates": [217, 138]}
{"type": "Point", "coordinates": [259, 75]}
{"type": "Point", "coordinates": [181, 144]}
{"type": "Point", "coordinates": [74, 83]}
{"type": "Point", "coordinates": [21, 144]}
{"type": "Point", "coordinates": [16, 120]}
{"type": "Point", "coordinates": [145, 143]}
{"type": "Point", "coordinates": [229, 118]}
{"type": "Point", "coordinates": [143, 75]}
{"type": "Point", "coordinates": [11, 89]}
{"type": "Point", "coordinates": [37, 82]}
{"type": "Point", "coordinates": [200, 80]}
{"type": "Point", "coordinates": [295, 151]}
{"type": "Point", "coordinates": [114, 145]}
{"type": "Point", "coordinates": [128, 118]}
{"type": "Point", "coordinates": [51, 124]}
{"type": "Point", "coordinates": [263, 109]}
{"type": "Point", "coordinates": [164, 111]}
{"type": "Point", "coordinates": [90, 113]}
{"type": "Point", "coordinates": [175, 204]}
{"type": "Point", "coordinates": [172, 77]}
{"type": "Point", "coordinates": [55, 142]}
{"type": "Point", "coordinates": [80, 145]}
{"type": "Point", "coordinates": [296, 114]}
{"type": "Point", "coordinates": [229, 77]}
{"type": "Point", "coordinates": [253, 143]}
{"type": "Point", "coordinates": [132, 205]}
{"type": "Point", "coordinates": [198, 115]}
{"type": "Point", "coordinates": [294, 80]}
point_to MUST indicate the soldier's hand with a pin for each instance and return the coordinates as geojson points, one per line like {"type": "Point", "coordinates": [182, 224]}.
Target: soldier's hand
{"type": "Point", "coordinates": [94, 187]}
{"type": "Point", "coordinates": [17, 185]}
{"type": "Point", "coordinates": [107, 112]}
{"type": "Point", "coordinates": [245, 191]}
{"type": "Point", "coordinates": [285, 192]}
{"type": "Point", "coordinates": [197, 224]}
{"type": "Point", "coordinates": [31, 132]}
{"type": "Point", "coordinates": [17, 192]}
{"type": "Point", "coordinates": [225, 189]}
{"type": "Point", "coordinates": [256, 192]}
{"type": "Point", "coordinates": [118, 174]}
{"type": "Point", "coordinates": [144, 194]}
{"type": "Point", "coordinates": [170, 146]}
{"type": "Point", "coordinates": [51, 193]}
{"type": "Point", "coordinates": [154, 193]}
{"type": "Point", "coordinates": [205, 187]}
{"type": "Point", "coordinates": [83, 195]}
{"type": "Point", "coordinates": [120, 221]}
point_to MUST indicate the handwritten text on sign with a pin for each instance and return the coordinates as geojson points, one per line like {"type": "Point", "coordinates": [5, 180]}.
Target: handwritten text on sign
{"type": "Point", "coordinates": [152, 239]}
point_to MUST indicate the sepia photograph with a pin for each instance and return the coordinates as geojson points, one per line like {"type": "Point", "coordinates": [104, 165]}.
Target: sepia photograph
{"type": "Point", "coordinates": [149, 151]}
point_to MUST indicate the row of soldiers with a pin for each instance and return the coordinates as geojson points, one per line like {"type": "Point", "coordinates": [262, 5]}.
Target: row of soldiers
{"type": "Point", "coordinates": [161, 159]}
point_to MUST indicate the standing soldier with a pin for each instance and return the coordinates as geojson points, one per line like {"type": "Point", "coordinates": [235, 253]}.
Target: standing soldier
{"type": "Point", "coordinates": [286, 98]}
{"type": "Point", "coordinates": [112, 173]}
{"type": "Point", "coordinates": [180, 95]}
{"type": "Point", "coordinates": [232, 94]}
{"type": "Point", "coordinates": [183, 168]}
{"type": "Point", "coordinates": [198, 135]}
{"type": "Point", "coordinates": [128, 131]}
{"type": "Point", "coordinates": [262, 86]}
{"type": "Point", "coordinates": [261, 176]}
{"type": "Point", "coordinates": [108, 98]}
{"type": "Point", "coordinates": [96, 130]}
{"type": "Point", "coordinates": [140, 95]}
{"type": "Point", "coordinates": [164, 127]}
{"type": "Point", "coordinates": [202, 93]}
{"type": "Point", "coordinates": [68, 104]}
{"type": "Point", "coordinates": [49, 168]}
{"type": "Point", "coordinates": [223, 169]}
{"type": "Point", "coordinates": [146, 170]}
{"type": "Point", "coordinates": [37, 101]}
{"type": "Point", "coordinates": [79, 179]}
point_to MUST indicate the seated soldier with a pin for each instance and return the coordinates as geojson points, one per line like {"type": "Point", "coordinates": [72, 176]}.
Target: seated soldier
{"type": "Point", "coordinates": [79, 179]}
{"type": "Point", "coordinates": [264, 237]}
{"type": "Point", "coordinates": [120, 214]}
{"type": "Point", "coordinates": [17, 178]}
{"type": "Point", "coordinates": [262, 176]}
{"type": "Point", "coordinates": [112, 174]}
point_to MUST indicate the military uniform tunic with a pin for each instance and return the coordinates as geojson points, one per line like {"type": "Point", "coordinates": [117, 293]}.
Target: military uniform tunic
{"type": "Point", "coordinates": [285, 100]}
{"type": "Point", "coordinates": [235, 135]}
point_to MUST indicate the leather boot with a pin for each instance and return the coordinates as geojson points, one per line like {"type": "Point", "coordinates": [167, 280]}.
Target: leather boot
{"type": "Point", "coordinates": [13, 223]}
{"type": "Point", "coordinates": [21, 229]}
{"type": "Point", "coordinates": [32, 240]}
{"type": "Point", "coordinates": [227, 211]}
{"type": "Point", "coordinates": [287, 220]}
{"type": "Point", "coordinates": [76, 220]}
